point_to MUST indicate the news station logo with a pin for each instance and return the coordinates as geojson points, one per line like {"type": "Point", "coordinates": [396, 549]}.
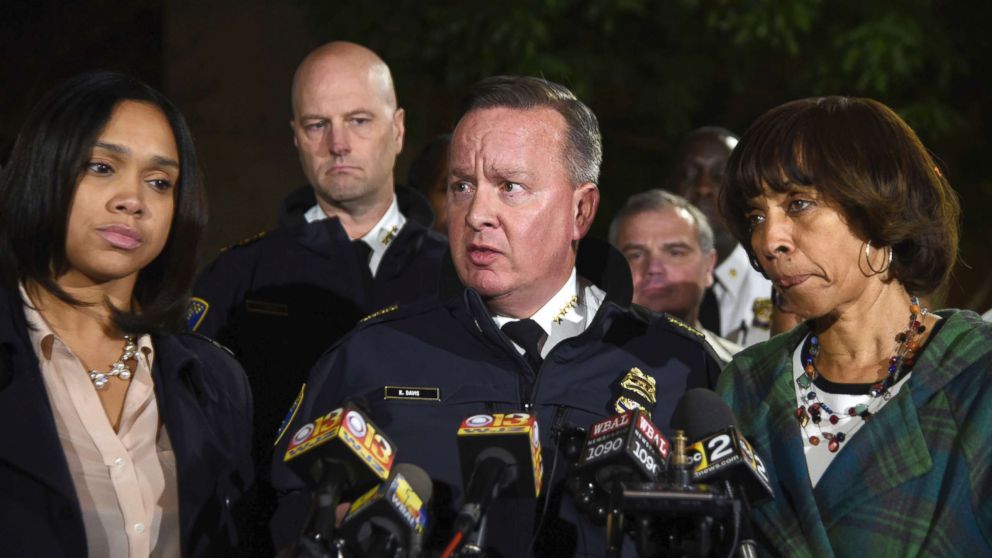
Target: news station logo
{"type": "Point", "coordinates": [349, 426]}
{"type": "Point", "coordinates": [511, 424]}
{"type": "Point", "coordinates": [721, 450]}
{"type": "Point", "coordinates": [498, 423]}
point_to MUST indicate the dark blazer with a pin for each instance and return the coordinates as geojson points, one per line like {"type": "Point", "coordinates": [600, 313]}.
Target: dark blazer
{"type": "Point", "coordinates": [205, 403]}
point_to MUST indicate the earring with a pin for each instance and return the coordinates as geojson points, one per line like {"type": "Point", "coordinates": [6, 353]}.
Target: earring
{"type": "Point", "coordinates": [888, 264]}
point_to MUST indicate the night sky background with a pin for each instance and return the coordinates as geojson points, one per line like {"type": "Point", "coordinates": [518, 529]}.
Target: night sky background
{"type": "Point", "coordinates": [651, 71]}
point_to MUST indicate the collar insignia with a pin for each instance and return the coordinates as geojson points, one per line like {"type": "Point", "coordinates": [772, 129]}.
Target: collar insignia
{"type": "Point", "coordinates": [564, 309]}
{"type": "Point", "coordinates": [390, 235]}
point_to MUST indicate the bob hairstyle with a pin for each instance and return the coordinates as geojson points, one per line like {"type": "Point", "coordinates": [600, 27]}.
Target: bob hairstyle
{"type": "Point", "coordinates": [37, 187]}
{"type": "Point", "coordinates": [865, 161]}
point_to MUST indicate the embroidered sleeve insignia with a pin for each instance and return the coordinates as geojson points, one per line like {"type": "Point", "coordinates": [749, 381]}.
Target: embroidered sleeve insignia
{"type": "Point", "coordinates": [195, 312]}
{"type": "Point", "coordinates": [290, 415]}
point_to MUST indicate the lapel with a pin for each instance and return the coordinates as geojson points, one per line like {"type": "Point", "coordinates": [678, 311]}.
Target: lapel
{"type": "Point", "coordinates": [184, 398]}
{"type": "Point", "coordinates": [792, 520]}
{"type": "Point", "coordinates": [891, 449]}
{"type": "Point", "coordinates": [886, 452]}
{"type": "Point", "coordinates": [29, 441]}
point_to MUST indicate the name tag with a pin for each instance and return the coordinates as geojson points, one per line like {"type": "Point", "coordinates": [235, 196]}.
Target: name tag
{"type": "Point", "coordinates": [412, 393]}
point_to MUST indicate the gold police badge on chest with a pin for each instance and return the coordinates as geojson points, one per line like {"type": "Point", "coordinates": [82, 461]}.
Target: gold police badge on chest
{"type": "Point", "coordinates": [762, 309]}
{"type": "Point", "coordinates": [637, 391]}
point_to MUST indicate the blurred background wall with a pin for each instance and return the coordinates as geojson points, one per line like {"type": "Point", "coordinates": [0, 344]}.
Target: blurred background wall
{"type": "Point", "coordinates": [650, 70]}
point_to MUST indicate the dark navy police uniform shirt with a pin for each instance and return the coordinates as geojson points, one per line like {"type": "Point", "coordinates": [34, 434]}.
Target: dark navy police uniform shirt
{"type": "Point", "coordinates": [456, 348]}
{"type": "Point", "coordinates": [282, 299]}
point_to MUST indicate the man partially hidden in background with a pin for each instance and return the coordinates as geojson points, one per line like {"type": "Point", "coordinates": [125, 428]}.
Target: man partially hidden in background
{"type": "Point", "coordinates": [668, 243]}
{"type": "Point", "coordinates": [738, 306]}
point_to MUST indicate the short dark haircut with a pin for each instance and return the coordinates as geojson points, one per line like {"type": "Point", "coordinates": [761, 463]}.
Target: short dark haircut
{"type": "Point", "coordinates": [718, 131]}
{"type": "Point", "coordinates": [583, 153]}
{"type": "Point", "coordinates": [864, 160]}
{"type": "Point", "coordinates": [38, 184]}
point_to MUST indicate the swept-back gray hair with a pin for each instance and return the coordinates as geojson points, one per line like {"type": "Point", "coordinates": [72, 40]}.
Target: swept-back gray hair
{"type": "Point", "coordinates": [656, 200]}
{"type": "Point", "coordinates": [583, 153]}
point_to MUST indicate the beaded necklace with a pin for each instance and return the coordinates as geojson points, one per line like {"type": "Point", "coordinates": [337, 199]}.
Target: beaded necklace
{"type": "Point", "coordinates": [811, 409]}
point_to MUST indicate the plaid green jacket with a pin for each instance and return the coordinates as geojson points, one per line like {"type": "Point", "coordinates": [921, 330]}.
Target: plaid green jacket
{"type": "Point", "coordinates": [916, 480]}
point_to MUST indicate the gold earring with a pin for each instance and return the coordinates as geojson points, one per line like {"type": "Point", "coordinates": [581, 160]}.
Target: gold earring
{"type": "Point", "coordinates": [888, 264]}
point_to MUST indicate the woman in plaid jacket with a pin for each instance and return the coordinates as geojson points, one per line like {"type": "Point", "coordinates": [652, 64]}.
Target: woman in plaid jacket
{"type": "Point", "coordinates": [872, 416]}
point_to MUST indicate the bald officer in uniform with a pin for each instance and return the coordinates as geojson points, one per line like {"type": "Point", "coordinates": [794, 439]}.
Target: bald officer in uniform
{"type": "Point", "coordinates": [350, 243]}
{"type": "Point", "coordinates": [542, 323]}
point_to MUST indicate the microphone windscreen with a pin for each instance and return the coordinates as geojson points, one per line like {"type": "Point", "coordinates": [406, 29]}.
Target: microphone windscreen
{"type": "Point", "coordinates": [419, 480]}
{"type": "Point", "coordinates": [701, 412]}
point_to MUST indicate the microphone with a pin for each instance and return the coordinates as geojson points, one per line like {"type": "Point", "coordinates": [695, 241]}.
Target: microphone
{"type": "Point", "coordinates": [502, 452]}
{"type": "Point", "coordinates": [390, 519]}
{"type": "Point", "coordinates": [622, 448]}
{"type": "Point", "coordinates": [722, 453]}
{"type": "Point", "coordinates": [339, 455]}
{"type": "Point", "coordinates": [719, 451]}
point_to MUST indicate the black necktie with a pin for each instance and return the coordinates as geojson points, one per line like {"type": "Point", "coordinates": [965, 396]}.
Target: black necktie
{"type": "Point", "coordinates": [364, 254]}
{"type": "Point", "coordinates": [709, 312]}
{"type": "Point", "coordinates": [528, 335]}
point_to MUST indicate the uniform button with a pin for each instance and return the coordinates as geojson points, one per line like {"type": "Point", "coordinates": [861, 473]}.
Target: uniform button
{"type": "Point", "coordinates": [139, 528]}
{"type": "Point", "coordinates": [119, 462]}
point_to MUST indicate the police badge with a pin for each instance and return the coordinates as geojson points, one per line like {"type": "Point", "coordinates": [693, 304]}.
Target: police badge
{"type": "Point", "coordinates": [637, 391]}
{"type": "Point", "coordinates": [762, 309]}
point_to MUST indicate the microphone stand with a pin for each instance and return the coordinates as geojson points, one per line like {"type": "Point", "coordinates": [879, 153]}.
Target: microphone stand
{"type": "Point", "coordinates": [475, 543]}
{"type": "Point", "coordinates": [316, 539]}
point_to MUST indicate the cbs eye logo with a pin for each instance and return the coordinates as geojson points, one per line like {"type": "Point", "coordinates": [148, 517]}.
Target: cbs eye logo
{"type": "Point", "coordinates": [356, 424]}
{"type": "Point", "coordinates": [303, 433]}
{"type": "Point", "coordinates": [477, 421]}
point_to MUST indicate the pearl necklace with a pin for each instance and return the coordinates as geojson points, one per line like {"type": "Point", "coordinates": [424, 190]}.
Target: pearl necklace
{"type": "Point", "coordinates": [119, 367]}
{"type": "Point", "coordinates": [811, 408]}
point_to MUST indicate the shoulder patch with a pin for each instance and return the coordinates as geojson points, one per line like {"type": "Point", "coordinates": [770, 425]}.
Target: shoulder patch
{"type": "Point", "coordinates": [682, 325]}
{"type": "Point", "coordinates": [246, 241]}
{"type": "Point", "coordinates": [290, 415]}
{"type": "Point", "coordinates": [195, 312]}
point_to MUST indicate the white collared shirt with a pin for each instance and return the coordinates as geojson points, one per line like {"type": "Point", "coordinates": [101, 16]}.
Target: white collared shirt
{"type": "Point", "coordinates": [559, 318]}
{"type": "Point", "coordinates": [379, 236]}
{"type": "Point", "coordinates": [125, 481]}
{"type": "Point", "coordinates": [744, 297]}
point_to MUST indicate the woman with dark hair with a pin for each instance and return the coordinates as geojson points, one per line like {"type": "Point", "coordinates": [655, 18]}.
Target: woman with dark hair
{"type": "Point", "coordinates": [873, 416]}
{"type": "Point", "coordinates": [121, 436]}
